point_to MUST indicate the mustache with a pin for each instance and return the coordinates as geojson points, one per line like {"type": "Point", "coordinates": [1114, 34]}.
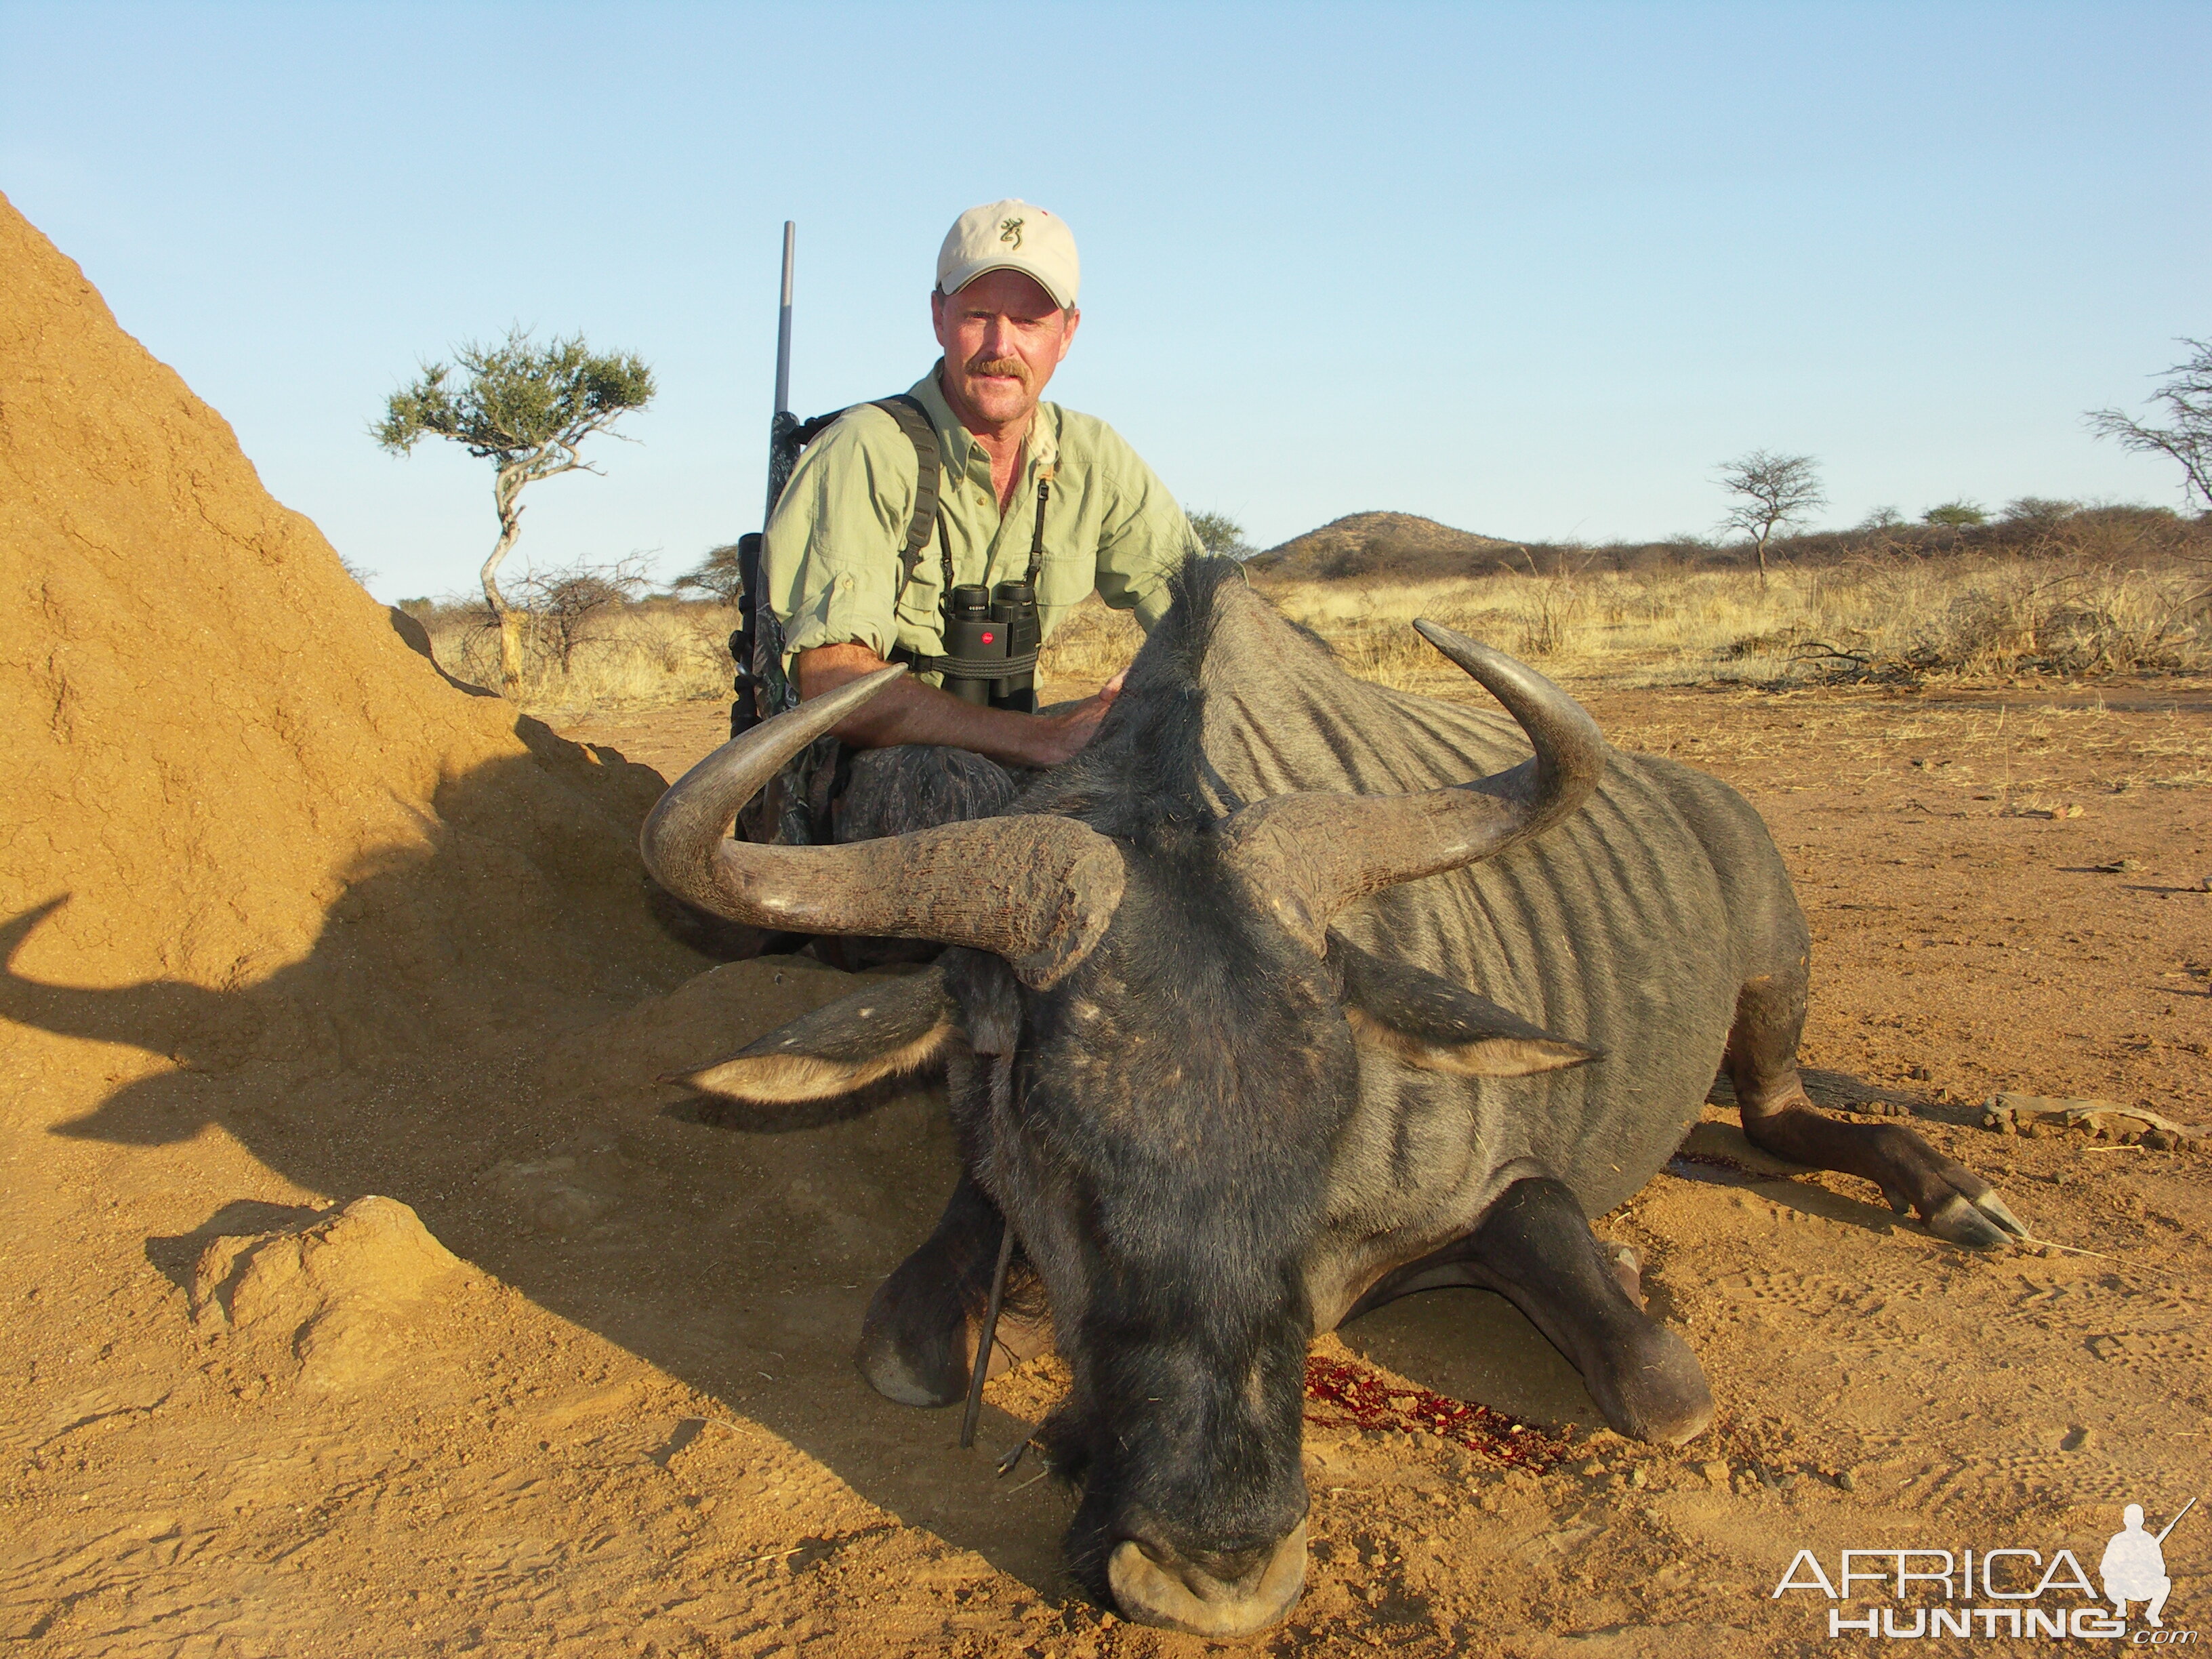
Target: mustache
{"type": "Point", "coordinates": [1009, 366]}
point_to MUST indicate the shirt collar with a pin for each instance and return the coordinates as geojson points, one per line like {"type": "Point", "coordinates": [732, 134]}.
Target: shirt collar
{"type": "Point", "coordinates": [1043, 445]}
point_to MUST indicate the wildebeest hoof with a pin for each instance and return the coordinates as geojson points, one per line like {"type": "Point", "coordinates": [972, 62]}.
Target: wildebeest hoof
{"type": "Point", "coordinates": [916, 1352]}
{"type": "Point", "coordinates": [1158, 1589]}
{"type": "Point", "coordinates": [912, 1361]}
{"type": "Point", "coordinates": [1980, 1224]}
{"type": "Point", "coordinates": [1654, 1389]}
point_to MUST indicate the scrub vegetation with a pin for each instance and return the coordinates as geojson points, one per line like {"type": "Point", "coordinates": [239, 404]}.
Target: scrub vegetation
{"type": "Point", "coordinates": [2050, 590]}
{"type": "Point", "coordinates": [622, 653]}
{"type": "Point", "coordinates": [2045, 589]}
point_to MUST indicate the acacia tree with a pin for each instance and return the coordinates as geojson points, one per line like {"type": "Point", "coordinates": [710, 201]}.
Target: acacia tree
{"type": "Point", "coordinates": [1221, 536]}
{"type": "Point", "coordinates": [1777, 489]}
{"type": "Point", "coordinates": [716, 575]}
{"type": "Point", "coordinates": [2187, 395]}
{"type": "Point", "coordinates": [526, 409]}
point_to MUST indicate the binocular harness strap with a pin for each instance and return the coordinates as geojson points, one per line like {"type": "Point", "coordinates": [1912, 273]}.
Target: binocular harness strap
{"type": "Point", "coordinates": [904, 409]}
{"type": "Point", "coordinates": [1036, 535]}
{"type": "Point", "coordinates": [966, 668]}
{"type": "Point", "coordinates": [913, 420]}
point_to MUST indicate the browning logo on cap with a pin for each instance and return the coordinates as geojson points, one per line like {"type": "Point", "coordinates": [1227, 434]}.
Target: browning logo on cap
{"type": "Point", "coordinates": [1009, 234]}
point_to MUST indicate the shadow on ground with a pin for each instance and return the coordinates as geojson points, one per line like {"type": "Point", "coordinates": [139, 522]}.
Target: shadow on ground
{"type": "Point", "coordinates": [479, 1038]}
{"type": "Point", "coordinates": [476, 1033]}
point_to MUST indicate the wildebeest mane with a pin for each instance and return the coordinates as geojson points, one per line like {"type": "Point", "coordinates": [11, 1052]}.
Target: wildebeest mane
{"type": "Point", "coordinates": [1144, 773]}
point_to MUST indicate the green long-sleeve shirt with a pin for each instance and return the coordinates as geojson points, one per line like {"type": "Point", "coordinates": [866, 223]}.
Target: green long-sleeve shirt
{"type": "Point", "coordinates": [831, 566]}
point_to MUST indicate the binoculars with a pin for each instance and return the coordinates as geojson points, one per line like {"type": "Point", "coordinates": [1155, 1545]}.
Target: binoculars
{"type": "Point", "coordinates": [983, 627]}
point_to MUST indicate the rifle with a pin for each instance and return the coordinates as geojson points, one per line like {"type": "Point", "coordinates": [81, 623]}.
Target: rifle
{"type": "Point", "coordinates": [784, 443]}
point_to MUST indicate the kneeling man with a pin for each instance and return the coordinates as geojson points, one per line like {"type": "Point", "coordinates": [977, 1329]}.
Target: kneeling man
{"type": "Point", "coordinates": [1024, 490]}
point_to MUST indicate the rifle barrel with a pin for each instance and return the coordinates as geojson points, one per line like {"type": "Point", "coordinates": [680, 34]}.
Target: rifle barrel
{"type": "Point", "coordinates": [779, 454]}
{"type": "Point", "coordinates": [783, 326]}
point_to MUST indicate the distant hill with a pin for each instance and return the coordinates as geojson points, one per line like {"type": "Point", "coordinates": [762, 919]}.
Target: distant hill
{"type": "Point", "coordinates": [1402, 545]}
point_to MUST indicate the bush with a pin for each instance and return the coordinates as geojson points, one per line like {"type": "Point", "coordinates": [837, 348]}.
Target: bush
{"type": "Point", "coordinates": [2038, 510]}
{"type": "Point", "coordinates": [1221, 535]}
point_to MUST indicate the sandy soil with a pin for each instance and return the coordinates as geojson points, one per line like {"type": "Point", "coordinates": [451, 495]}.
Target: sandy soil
{"type": "Point", "coordinates": [626, 1421]}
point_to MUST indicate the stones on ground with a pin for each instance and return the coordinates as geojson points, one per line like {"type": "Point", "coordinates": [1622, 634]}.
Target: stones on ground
{"type": "Point", "coordinates": [334, 1291]}
{"type": "Point", "coordinates": [2045, 1115]}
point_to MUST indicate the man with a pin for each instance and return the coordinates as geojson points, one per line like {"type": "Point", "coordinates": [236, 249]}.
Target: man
{"type": "Point", "coordinates": [1020, 482]}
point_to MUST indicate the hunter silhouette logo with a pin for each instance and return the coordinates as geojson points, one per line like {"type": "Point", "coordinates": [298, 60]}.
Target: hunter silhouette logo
{"type": "Point", "coordinates": [1010, 230]}
{"type": "Point", "coordinates": [1983, 1594]}
{"type": "Point", "coordinates": [2133, 1567]}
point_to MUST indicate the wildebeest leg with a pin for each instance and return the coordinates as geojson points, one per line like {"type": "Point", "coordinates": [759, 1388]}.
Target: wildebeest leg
{"type": "Point", "coordinates": [924, 1321]}
{"type": "Point", "coordinates": [1536, 1249]}
{"type": "Point", "coordinates": [1780, 1118]}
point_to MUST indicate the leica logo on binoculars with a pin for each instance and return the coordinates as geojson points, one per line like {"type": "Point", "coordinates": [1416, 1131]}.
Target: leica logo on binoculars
{"type": "Point", "coordinates": [983, 626]}
{"type": "Point", "coordinates": [2011, 1592]}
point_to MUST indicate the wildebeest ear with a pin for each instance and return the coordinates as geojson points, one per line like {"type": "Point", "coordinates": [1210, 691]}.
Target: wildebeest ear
{"type": "Point", "coordinates": [891, 1028]}
{"type": "Point", "coordinates": [1424, 1021]}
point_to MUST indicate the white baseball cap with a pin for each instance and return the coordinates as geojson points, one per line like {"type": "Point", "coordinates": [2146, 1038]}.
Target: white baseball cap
{"type": "Point", "coordinates": [1010, 235]}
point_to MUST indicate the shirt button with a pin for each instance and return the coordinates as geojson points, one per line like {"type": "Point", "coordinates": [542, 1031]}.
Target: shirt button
{"type": "Point", "coordinates": [845, 583]}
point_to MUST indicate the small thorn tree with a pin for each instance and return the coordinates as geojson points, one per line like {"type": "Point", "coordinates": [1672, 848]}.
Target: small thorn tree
{"type": "Point", "coordinates": [1776, 490]}
{"type": "Point", "coordinates": [2186, 393]}
{"type": "Point", "coordinates": [716, 575]}
{"type": "Point", "coordinates": [526, 409]}
{"type": "Point", "coordinates": [1221, 536]}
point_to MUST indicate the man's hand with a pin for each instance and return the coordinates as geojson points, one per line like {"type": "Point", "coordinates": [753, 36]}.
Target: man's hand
{"type": "Point", "coordinates": [1073, 726]}
{"type": "Point", "coordinates": [907, 711]}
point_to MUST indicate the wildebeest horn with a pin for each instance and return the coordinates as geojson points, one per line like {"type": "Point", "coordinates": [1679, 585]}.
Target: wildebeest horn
{"type": "Point", "coordinates": [1036, 889]}
{"type": "Point", "coordinates": [1309, 855]}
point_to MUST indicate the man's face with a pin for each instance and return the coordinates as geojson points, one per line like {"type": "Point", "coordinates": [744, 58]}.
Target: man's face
{"type": "Point", "coordinates": [1003, 337]}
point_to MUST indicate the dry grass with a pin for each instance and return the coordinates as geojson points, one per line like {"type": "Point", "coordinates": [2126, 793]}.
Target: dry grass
{"type": "Point", "coordinates": [1959, 621]}
{"type": "Point", "coordinates": [1954, 621]}
{"type": "Point", "coordinates": [630, 657]}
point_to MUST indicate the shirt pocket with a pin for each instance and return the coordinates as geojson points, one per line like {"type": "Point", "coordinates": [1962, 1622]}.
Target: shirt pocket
{"type": "Point", "coordinates": [918, 604]}
{"type": "Point", "coordinates": [1066, 578]}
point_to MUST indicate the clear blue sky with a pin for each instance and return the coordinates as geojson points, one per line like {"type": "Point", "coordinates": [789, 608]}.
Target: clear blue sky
{"type": "Point", "coordinates": [1531, 269]}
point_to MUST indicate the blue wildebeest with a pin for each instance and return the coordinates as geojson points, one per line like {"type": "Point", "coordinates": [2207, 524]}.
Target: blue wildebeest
{"type": "Point", "coordinates": [1257, 1015]}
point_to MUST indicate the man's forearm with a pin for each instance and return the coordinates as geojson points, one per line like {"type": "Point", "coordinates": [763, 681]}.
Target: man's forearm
{"type": "Point", "coordinates": [907, 711]}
